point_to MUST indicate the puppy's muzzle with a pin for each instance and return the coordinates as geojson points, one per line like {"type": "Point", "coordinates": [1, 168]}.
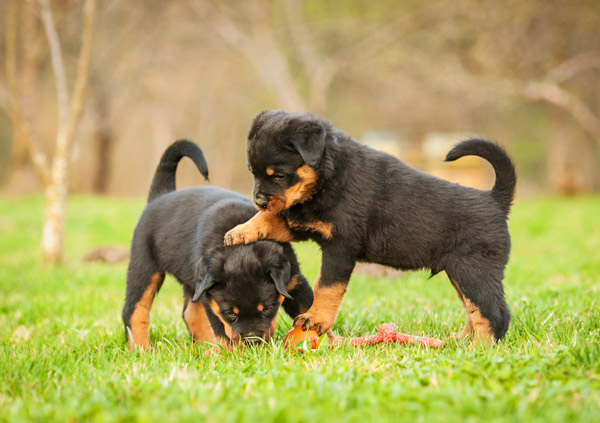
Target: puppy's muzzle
{"type": "Point", "coordinates": [261, 201]}
{"type": "Point", "coordinates": [251, 338]}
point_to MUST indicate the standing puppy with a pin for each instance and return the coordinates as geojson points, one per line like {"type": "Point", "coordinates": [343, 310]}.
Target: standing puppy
{"type": "Point", "coordinates": [231, 294]}
{"type": "Point", "coordinates": [359, 204]}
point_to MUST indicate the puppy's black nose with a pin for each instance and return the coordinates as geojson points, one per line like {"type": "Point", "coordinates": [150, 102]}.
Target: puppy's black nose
{"type": "Point", "coordinates": [261, 201]}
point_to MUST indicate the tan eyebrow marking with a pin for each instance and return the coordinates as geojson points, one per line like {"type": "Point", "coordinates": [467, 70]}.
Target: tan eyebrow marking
{"type": "Point", "coordinates": [270, 171]}
{"type": "Point", "coordinates": [236, 310]}
{"type": "Point", "coordinates": [260, 307]}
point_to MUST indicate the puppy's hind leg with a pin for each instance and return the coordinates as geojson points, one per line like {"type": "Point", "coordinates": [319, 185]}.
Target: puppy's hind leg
{"type": "Point", "coordinates": [468, 328]}
{"type": "Point", "coordinates": [479, 286]}
{"type": "Point", "coordinates": [143, 282]}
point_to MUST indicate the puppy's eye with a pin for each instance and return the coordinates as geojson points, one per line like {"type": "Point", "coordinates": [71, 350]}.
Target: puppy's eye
{"type": "Point", "coordinates": [279, 176]}
{"type": "Point", "coordinates": [268, 310]}
{"type": "Point", "coordinates": [231, 315]}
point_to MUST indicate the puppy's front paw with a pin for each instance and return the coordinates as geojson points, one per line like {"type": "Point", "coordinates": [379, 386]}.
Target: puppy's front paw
{"type": "Point", "coordinates": [141, 347]}
{"type": "Point", "coordinates": [242, 234]}
{"type": "Point", "coordinates": [314, 321]}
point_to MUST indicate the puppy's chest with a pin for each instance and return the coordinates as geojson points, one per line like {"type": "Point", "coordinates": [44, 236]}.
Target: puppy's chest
{"type": "Point", "coordinates": [306, 223]}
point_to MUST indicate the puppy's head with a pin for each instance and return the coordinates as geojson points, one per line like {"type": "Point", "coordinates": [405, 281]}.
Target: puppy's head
{"type": "Point", "coordinates": [244, 286]}
{"type": "Point", "coordinates": [284, 154]}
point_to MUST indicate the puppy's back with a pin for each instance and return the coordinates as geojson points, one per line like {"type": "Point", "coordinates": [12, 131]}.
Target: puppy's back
{"type": "Point", "coordinates": [197, 216]}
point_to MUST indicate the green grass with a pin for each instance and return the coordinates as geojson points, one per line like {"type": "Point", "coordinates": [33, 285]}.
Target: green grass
{"type": "Point", "coordinates": [63, 356]}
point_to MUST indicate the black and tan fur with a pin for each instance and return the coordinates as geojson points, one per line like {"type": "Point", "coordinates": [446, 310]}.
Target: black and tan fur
{"type": "Point", "coordinates": [230, 293]}
{"type": "Point", "coordinates": [313, 181]}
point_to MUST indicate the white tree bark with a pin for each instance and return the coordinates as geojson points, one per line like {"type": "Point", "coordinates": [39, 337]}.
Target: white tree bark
{"type": "Point", "coordinates": [57, 189]}
{"type": "Point", "coordinates": [55, 176]}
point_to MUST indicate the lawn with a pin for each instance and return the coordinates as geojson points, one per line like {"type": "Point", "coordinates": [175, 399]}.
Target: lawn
{"type": "Point", "coordinates": [63, 356]}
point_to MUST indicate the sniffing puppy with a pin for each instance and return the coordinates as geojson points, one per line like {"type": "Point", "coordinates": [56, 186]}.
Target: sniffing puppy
{"type": "Point", "coordinates": [313, 181]}
{"type": "Point", "coordinates": [231, 294]}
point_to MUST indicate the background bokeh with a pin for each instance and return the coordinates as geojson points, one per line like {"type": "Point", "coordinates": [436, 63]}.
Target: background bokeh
{"type": "Point", "coordinates": [411, 77]}
{"type": "Point", "coordinates": [405, 76]}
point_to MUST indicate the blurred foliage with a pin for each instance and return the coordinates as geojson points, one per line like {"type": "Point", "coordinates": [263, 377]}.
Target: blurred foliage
{"type": "Point", "coordinates": [526, 74]}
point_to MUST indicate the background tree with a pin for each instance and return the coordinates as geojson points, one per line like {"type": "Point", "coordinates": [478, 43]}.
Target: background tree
{"type": "Point", "coordinates": [54, 174]}
{"type": "Point", "coordinates": [249, 29]}
{"type": "Point", "coordinates": [523, 73]}
{"type": "Point", "coordinates": [540, 52]}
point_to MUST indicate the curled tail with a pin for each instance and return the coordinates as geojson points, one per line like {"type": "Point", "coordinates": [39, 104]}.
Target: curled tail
{"type": "Point", "coordinates": [506, 179]}
{"type": "Point", "coordinates": [164, 177]}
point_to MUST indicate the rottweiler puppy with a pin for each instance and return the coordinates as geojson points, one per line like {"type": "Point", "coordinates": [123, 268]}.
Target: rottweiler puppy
{"type": "Point", "coordinates": [313, 181]}
{"type": "Point", "coordinates": [230, 294]}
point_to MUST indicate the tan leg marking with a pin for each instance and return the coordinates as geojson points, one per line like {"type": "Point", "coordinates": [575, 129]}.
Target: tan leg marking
{"type": "Point", "coordinates": [197, 322]}
{"type": "Point", "coordinates": [481, 326]}
{"type": "Point", "coordinates": [140, 319]}
{"type": "Point", "coordinates": [476, 324]}
{"type": "Point", "coordinates": [468, 328]}
{"type": "Point", "coordinates": [327, 301]}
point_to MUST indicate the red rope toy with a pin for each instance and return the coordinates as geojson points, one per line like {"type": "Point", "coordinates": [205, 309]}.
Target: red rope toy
{"type": "Point", "coordinates": [388, 333]}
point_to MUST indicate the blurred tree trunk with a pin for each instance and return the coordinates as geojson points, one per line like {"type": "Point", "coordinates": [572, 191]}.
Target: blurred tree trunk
{"type": "Point", "coordinates": [574, 133]}
{"type": "Point", "coordinates": [69, 114]}
{"type": "Point", "coordinates": [103, 137]}
{"type": "Point", "coordinates": [31, 58]}
{"type": "Point", "coordinates": [572, 163]}
{"type": "Point", "coordinates": [21, 172]}
{"type": "Point", "coordinates": [17, 111]}
{"type": "Point", "coordinates": [55, 176]}
{"type": "Point", "coordinates": [545, 52]}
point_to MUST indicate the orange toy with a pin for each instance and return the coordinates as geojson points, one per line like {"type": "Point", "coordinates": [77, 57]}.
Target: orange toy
{"type": "Point", "coordinates": [301, 340]}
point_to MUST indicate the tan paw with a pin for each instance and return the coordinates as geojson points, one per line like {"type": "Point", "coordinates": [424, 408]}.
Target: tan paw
{"type": "Point", "coordinates": [314, 321]}
{"type": "Point", "coordinates": [242, 234]}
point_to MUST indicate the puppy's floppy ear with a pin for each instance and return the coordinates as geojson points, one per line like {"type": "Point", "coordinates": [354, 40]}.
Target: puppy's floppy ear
{"type": "Point", "coordinates": [204, 279]}
{"type": "Point", "coordinates": [202, 285]}
{"type": "Point", "coordinates": [309, 141]}
{"type": "Point", "coordinates": [281, 277]}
